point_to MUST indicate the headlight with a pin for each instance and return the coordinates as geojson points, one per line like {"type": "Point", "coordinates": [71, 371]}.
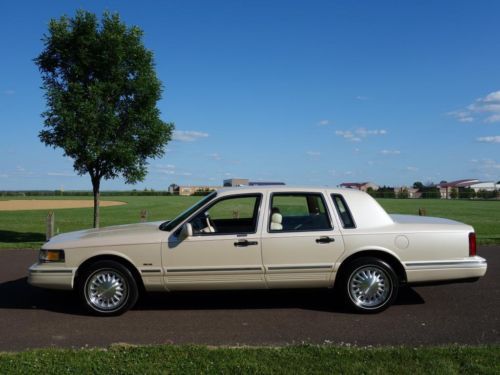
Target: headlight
{"type": "Point", "coordinates": [51, 256]}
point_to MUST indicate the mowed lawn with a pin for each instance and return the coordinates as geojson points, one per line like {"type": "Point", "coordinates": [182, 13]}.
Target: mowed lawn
{"type": "Point", "coordinates": [26, 229]}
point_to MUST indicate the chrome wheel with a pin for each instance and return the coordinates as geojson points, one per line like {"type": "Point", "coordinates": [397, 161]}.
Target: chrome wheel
{"type": "Point", "coordinates": [106, 290]}
{"type": "Point", "coordinates": [369, 287]}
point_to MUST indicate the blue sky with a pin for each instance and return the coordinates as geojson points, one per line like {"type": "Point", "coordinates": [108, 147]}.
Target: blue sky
{"type": "Point", "coordinates": [306, 92]}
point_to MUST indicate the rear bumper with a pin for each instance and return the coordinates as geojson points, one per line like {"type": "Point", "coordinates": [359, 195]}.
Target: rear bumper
{"type": "Point", "coordinates": [47, 276]}
{"type": "Point", "coordinates": [439, 271]}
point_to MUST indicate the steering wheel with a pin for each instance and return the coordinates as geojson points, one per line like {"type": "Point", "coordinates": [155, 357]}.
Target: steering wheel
{"type": "Point", "coordinates": [210, 222]}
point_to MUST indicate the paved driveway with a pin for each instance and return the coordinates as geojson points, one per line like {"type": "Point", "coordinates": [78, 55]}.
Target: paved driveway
{"type": "Point", "coordinates": [466, 313]}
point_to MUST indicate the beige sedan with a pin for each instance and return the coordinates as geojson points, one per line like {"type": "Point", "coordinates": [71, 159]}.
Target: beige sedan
{"type": "Point", "coordinates": [258, 238]}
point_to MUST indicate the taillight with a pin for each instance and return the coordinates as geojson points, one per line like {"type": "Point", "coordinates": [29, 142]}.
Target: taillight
{"type": "Point", "coordinates": [472, 244]}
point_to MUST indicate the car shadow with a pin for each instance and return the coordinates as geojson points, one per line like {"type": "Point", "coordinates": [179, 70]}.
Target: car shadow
{"type": "Point", "coordinates": [18, 294]}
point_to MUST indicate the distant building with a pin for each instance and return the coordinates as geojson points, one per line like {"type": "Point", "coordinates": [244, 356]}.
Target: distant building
{"type": "Point", "coordinates": [246, 182]}
{"type": "Point", "coordinates": [173, 189]}
{"type": "Point", "coordinates": [485, 186]}
{"type": "Point", "coordinates": [445, 188]}
{"type": "Point", "coordinates": [412, 192]}
{"type": "Point", "coordinates": [235, 182]}
{"type": "Point", "coordinates": [190, 190]}
{"type": "Point", "coordinates": [363, 186]}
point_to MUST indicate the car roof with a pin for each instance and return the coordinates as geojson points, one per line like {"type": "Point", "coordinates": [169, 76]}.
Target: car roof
{"type": "Point", "coordinates": [285, 188]}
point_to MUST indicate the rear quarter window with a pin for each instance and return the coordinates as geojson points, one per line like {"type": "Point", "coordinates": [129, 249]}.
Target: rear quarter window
{"type": "Point", "coordinates": [343, 211]}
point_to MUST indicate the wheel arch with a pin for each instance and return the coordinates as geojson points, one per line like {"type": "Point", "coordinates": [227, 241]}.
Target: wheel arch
{"type": "Point", "coordinates": [123, 261]}
{"type": "Point", "coordinates": [385, 256]}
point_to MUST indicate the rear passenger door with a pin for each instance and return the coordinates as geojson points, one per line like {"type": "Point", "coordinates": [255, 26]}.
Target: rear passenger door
{"type": "Point", "coordinates": [301, 250]}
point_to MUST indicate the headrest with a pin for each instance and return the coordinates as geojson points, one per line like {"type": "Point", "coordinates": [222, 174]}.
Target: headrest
{"type": "Point", "coordinates": [276, 218]}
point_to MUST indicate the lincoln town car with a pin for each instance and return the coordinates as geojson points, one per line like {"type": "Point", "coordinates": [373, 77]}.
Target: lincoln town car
{"type": "Point", "coordinates": [263, 238]}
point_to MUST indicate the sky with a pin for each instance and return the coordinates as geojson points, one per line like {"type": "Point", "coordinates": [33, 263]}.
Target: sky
{"type": "Point", "coordinates": [304, 92]}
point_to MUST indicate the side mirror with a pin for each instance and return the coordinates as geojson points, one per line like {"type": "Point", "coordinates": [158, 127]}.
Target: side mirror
{"type": "Point", "coordinates": [186, 231]}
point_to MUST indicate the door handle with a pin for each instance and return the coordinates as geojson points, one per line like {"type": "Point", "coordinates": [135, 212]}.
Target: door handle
{"type": "Point", "coordinates": [244, 243]}
{"type": "Point", "coordinates": [325, 239]}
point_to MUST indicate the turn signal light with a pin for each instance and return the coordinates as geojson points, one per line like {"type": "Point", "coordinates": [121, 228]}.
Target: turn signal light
{"type": "Point", "coordinates": [51, 256]}
{"type": "Point", "coordinates": [472, 244]}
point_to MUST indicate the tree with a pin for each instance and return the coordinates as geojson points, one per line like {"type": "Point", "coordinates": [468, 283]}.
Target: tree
{"type": "Point", "coordinates": [101, 91]}
{"type": "Point", "coordinates": [454, 193]}
{"type": "Point", "coordinates": [418, 185]}
{"type": "Point", "coordinates": [403, 193]}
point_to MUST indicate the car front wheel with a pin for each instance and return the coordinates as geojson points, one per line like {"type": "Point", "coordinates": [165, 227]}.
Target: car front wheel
{"type": "Point", "coordinates": [369, 285]}
{"type": "Point", "coordinates": [107, 288]}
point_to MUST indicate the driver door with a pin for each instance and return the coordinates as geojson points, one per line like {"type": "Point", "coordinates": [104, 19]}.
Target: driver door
{"type": "Point", "coordinates": [224, 250]}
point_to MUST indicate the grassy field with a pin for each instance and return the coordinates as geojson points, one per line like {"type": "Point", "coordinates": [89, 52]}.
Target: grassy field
{"type": "Point", "coordinates": [26, 229]}
{"type": "Point", "coordinates": [285, 360]}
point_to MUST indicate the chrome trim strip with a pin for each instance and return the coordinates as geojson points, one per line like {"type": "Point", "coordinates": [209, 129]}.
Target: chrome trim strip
{"type": "Point", "coordinates": [151, 271]}
{"type": "Point", "coordinates": [300, 267]}
{"type": "Point", "coordinates": [214, 269]}
{"type": "Point", "coordinates": [51, 271]}
{"type": "Point", "coordinates": [447, 264]}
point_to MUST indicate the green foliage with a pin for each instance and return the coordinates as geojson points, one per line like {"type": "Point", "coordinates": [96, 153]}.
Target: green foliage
{"type": "Point", "coordinates": [454, 193]}
{"type": "Point", "coordinates": [418, 185]}
{"type": "Point", "coordinates": [202, 192]}
{"type": "Point", "coordinates": [466, 193]}
{"type": "Point", "coordinates": [403, 194]}
{"type": "Point", "coordinates": [101, 90]}
{"type": "Point", "coordinates": [384, 192]}
{"type": "Point", "coordinates": [306, 359]}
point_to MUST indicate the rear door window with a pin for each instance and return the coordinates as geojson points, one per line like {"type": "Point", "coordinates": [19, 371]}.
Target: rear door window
{"type": "Point", "coordinates": [292, 212]}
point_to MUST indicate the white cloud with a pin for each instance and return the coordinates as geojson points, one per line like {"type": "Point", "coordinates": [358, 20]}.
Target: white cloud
{"type": "Point", "coordinates": [462, 116]}
{"type": "Point", "coordinates": [188, 135]}
{"type": "Point", "coordinates": [61, 174]}
{"type": "Point", "coordinates": [361, 97]}
{"type": "Point", "coordinates": [166, 168]}
{"type": "Point", "coordinates": [411, 169]}
{"type": "Point", "coordinates": [313, 153]}
{"type": "Point", "coordinates": [324, 122]}
{"type": "Point", "coordinates": [486, 108]}
{"type": "Point", "coordinates": [489, 167]}
{"type": "Point", "coordinates": [390, 152]}
{"type": "Point", "coordinates": [215, 156]}
{"type": "Point", "coordinates": [489, 139]}
{"type": "Point", "coordinates": [360, 133]}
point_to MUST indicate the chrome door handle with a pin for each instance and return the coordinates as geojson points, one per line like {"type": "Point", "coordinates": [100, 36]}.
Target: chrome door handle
{"type": "Point", "coordinates": [325, 239]}
{"type": "Point", "coordinates": [244, 243]}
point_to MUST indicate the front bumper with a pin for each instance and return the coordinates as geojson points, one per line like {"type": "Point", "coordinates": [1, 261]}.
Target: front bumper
{"type": "Point", "coordinates": [45, 275]}
{"type": "Point", "coordinates": [428, 271]}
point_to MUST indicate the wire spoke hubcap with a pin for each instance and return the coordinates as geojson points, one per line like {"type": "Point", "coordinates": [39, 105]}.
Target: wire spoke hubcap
{"type": "Point", "coordinates": [107, 290]}
{"type": "Point", "coordinates": [369, 287]}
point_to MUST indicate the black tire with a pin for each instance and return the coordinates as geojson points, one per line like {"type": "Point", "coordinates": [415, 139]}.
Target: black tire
{"type": "Point", "coordinates": [120, 288]}
{"type": "Point", "coordinates": [368, 285]}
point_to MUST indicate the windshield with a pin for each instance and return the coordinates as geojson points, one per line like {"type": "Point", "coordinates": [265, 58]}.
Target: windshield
{"type": "Point", "coordinates": [169, 225]}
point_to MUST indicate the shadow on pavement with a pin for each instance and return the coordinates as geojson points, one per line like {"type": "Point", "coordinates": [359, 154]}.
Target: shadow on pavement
{"type": "Point", "coordinates": [18, 294]}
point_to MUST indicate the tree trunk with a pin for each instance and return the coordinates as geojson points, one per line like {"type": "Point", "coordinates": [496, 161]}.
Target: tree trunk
{"type": "Point", "coordinates": [96, 185]}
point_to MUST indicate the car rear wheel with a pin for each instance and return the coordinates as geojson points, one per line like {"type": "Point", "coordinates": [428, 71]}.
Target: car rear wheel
{"type": "Point", "coordinates": [107, 288]}
{"type": "Point", "coordinates": [369, 285]}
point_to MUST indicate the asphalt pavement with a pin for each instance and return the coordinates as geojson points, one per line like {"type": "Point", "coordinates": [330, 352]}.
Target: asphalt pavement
{"type": "Point", "coordinates": [465, 313]}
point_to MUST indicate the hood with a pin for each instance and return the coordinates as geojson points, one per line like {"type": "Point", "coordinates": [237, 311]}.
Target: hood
{"type": "Point", "coordinates": [109, 236]}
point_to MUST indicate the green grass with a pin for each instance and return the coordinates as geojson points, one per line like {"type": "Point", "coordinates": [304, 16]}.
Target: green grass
{"type": "Point", "coordinates": [284, 360]}
{"type": "Point", "coordinates": [26, 229]}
